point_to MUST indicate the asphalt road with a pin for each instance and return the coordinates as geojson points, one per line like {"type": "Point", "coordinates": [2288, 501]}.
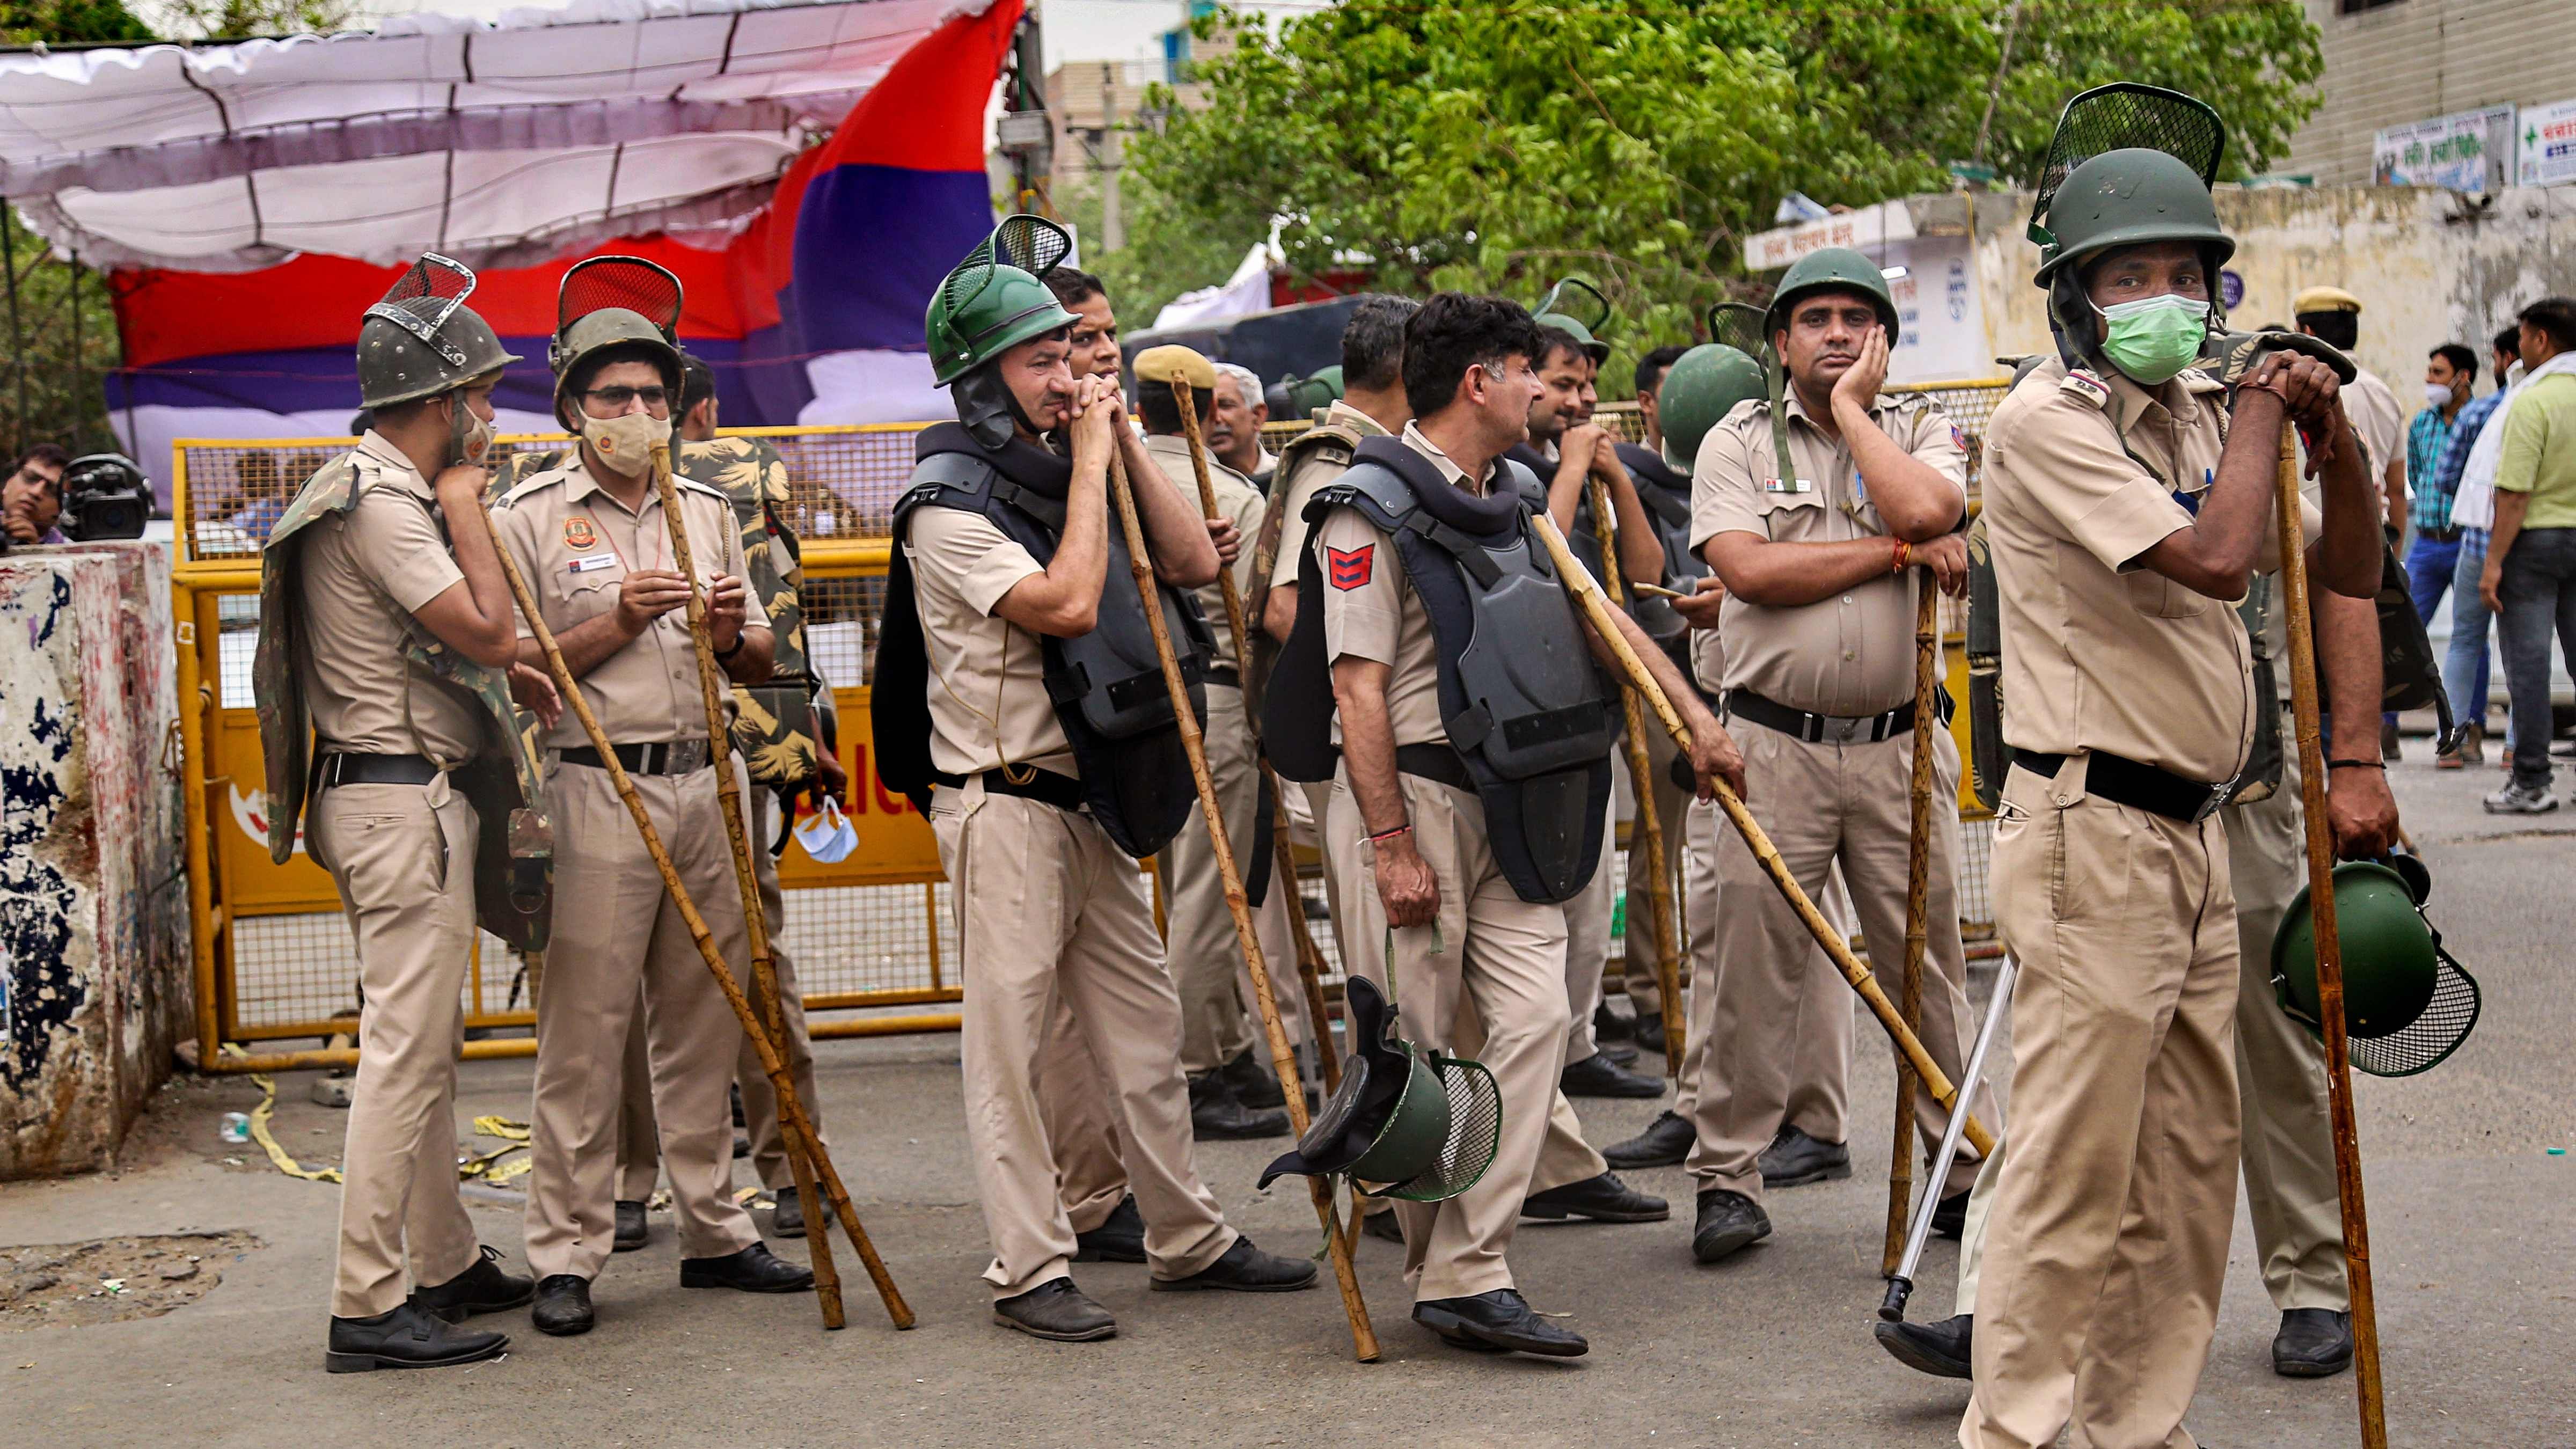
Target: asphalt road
{"type": "Point", "coordinates": [2470, 1217]}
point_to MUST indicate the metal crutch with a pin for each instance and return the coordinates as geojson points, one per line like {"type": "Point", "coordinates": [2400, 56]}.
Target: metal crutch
{"type": "Point", "coordinates": [1901, 1286]}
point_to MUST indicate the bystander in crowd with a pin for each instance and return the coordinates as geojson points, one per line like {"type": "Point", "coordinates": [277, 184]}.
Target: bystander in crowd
{"type": "Point", "coordinates": [2433, 554]}
{"type": "Point", "coordinates": [31, 500]}
{"type": "Point", "coordinates": [2464, 664]}
{"type": "Point", "coordinates": [2530, 575]}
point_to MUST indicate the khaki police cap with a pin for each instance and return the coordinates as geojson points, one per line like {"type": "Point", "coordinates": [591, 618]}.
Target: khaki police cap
{"type": "Point", "coordinates": [1174, 363]}
{"type": "Point", "coordinates": [2324, 299]}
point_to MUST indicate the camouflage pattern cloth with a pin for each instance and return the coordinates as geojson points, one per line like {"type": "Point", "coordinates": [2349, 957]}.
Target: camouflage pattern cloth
{"type": "Point", "coordinates": [513, 866]}
{"type": "Point", "coordinates": [774, 726]}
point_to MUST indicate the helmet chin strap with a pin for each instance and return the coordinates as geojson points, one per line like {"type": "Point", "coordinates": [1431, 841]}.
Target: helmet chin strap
{"type": "Point", "coordinates": [986, 406]}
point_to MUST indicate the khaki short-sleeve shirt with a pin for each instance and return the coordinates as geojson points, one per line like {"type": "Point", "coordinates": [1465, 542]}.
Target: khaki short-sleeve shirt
{"type": "Point", "coordinates": [362, 576]}
{"type": "Point", "coordinates": [2100, 652]}
{"type": "Point", "coordinates": [575, 543]}
{"type": "Point", "coordinates": [1298, 489]}
{"type": "Point", "coordinates": [1850, 653]}
{"type": "Point", "coordinates": [1372, 612]}
{"type": "Point", "coordinates": [1236, 500]}
{"type": "Point", "coordinates": [2377, 420]}
{"type": "Point", "coordinates": [988, 695]}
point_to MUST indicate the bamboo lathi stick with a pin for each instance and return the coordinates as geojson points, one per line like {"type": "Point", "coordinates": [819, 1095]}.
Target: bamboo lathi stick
{"type": "Point", "coordinates": [1140, 563]}
{"type": "Point", "coordinates": [791, 1111]}
{"type": "Point", "coordinates": [764, 973]}
{"type": "Point", "coordinates": [1659, 881]}
{"type": "Point", "coordinates": [1588, 597]}
{"type": "Point", "coordinates": [1283, 872]}
{"type": "Point", "coordinates": [1918, 878]}
{"type": "Point", "coordinates": [2321, 906]}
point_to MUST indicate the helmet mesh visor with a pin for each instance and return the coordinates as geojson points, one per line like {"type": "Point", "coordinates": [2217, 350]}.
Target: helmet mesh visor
{"type": "Point", "coordinates": [2121, 116]}
{"type": "Point", "coordinates": [1565, 296]}
{"type": "Point", "coordinates": [629, 282]}
{"type": "Point", "coordinates": [1475, 1134]}
{"type": "Point", "coordinates": [1737, 325]}
{"type": "Point", "coordinates": [1033, 244]}
{"type": "Point", "coordinates": [423, 297]}
{"type": "Point", "coordinates": [2425, 1041]}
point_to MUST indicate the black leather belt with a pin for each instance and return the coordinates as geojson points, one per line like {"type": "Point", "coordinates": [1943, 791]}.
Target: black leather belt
{"type": "Point", "coordinates": [1044, 786]}
{"type": "Point", "coordinates": [347, 769]}
{"type": "Point", "coordinates": [2124, 781]}
{"type": "Point", "coordinates": [1226, 675]}
{"type": "Point", "coordinates": [2439, 535]}
{"type": "Point", "coordinates": [662, 757]}
{"type": "Point", "coordinates": [1435, 762]}
{"type": "Point", "coordinates": [1820, 728]}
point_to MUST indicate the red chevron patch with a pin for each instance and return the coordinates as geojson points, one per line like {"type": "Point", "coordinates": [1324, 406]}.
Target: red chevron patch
{"type": "Point", "coordinates": [1350, 567]}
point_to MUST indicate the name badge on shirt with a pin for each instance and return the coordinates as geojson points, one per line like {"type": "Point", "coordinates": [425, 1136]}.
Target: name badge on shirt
{"type": "Point", "coordinates": [1788, 485]}
{"type": "Point", "coordinates": [591, 564]}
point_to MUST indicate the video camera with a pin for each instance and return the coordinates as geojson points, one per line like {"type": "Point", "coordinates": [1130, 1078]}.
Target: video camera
{"type": "Point", "coordinates": [104, 496]}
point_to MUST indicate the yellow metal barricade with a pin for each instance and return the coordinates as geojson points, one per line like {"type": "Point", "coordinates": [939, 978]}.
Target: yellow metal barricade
{"type": "Point", "coordinates": [871, 934]}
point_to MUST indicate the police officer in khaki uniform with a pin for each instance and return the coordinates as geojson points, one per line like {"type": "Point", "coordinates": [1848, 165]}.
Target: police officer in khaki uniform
{"type": "Point", "coordinates": [754, 479]}
{"type": "Point", "coordinates": [2125, 511]}
{"type": "Point", "coordinates": [1452, 914]}
{"type": "Point", "coordinates": [590, 538]}
{"type": "Point", "coordinates": [385, 625]}
{"type": "Point", "coordinates": [1011, 581]}
{"type": "Point", "coordinates": [1816, 511]}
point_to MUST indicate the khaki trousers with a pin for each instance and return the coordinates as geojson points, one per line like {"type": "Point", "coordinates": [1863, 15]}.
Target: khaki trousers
{"type": "Point", "coordinates": [1052, 918]}
{"type": "Point", "coordinates": [2107, 1240]}
{"type": "Point", "coordinates": [1672, 813]}
{"type": "Point", "coordinates": [1820, 1047]}
{"type": "Point", "coordinates": [1493, 951]}
{"type": "Point", "coordinates": [1220, 1015]}
{"type": "Point", "coordinates": [2288, 1146]}
{"type": "Point", "coordinates": [615, 926]}
{"type": "Point", "coordinates": [1822, 804]}
{"type": "Point", "coordinates": [636, 1160]}
{"type": "Point", "coordinates": [1587, 936]}
{"type": "Point", "coordinates": [403, 858]}
{"type": "Point", "coordinates": [1081, 1129]}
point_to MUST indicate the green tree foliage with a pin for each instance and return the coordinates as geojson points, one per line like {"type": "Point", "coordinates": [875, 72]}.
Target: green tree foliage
{"type": "Point", "coordinates": [69, 22]}
{"type": "Point", "coordinates": [1183, 250]}
{"type": "Point", "coordinates": [241, 19]}
{"type": "Point", "coordinates": [1639, 142]}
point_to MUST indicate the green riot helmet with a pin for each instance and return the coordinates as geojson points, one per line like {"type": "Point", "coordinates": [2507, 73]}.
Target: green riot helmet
{"type": "Point", "coordinates": [1837, 269]}
{"type": "Point", "coordinates": [422, 340]}
{"type": "Point", "coordinates": [2407, 1004]}
{"type": "Point", "coordinates": [996, 299]}
{"type": "Point", "coordinates": [2130, 197]}
{"type": "Point", "coordinates": [1313, 393]}
{"type": "Point", "coordinates": [622, 302]}
{"type": "Point", "coordinates": [1702, 386]}
{"type": "Point", "coordinates": [1556, 310]}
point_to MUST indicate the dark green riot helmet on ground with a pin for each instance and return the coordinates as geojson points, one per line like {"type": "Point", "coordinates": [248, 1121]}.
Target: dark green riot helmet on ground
{"type": "Point", "coordinates": [422, 340]}
{"type": "Point", "coordinates": [996, 299]}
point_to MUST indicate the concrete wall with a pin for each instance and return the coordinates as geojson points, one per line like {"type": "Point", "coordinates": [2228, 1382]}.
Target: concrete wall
{"type": "Point", "coordinates": [2429, 266]}
{"type": "Point", "coordinates": [2412, 61]}
{"type": "Point", "coordinates": [95, 981]}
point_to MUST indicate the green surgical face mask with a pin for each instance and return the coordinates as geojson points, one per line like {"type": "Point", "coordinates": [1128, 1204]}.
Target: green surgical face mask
{"type": "Point", "coordinates": [2154, 338]}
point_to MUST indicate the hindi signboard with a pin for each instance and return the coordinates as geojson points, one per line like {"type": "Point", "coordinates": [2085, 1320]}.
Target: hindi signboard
{"type": "Point", "coordinates": [2469, 151]}
{"type": "Point", "coordinates": [2546, 153]}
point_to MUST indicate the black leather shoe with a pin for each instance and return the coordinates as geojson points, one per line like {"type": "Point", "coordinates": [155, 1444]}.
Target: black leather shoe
{"type": "Point", "coordinates": [483, 1288]}
{"type": "Point", "coordinates": [1939, 1349]}
{"type": "Point", "coordinates": [1252, 1082]}
{"type": "Point", "coordinates": [1598, 1076]}
{"type": "Point", "coordinates": [741, 1144]}
{"type": "Point", "coordinates": [563, 1306]}
{"type": "Point", "coordinates": [1604, 1199]}
{"type": "Point", "coordinates": [787, 1219]}
{"type": "Point", "coordinates": [632, 1230]}
{"type": "Point", "coordinates": [1383, 1225]}
{"type": "Point", "coordinates": [1120, 1238]}
{"type": "Point", "coordinates": [408, 1337]}
{"type": "Point", "coordinates": [1056, 1309]}
{"type": "Point", "coordinates": [2313, 1343]}
{"type": "Point", "coordinates": [1950, 1218]}
{"type": "Point", "coordinates": [752, 1270]}
{"type": "Point", "coordinates": [1618, 1053]}
{"type": "Point", "coordinates": [1497, 1322]}
{"type": "Point", "coordinates": [1609, 1026]}
{"type": "Point", "coordinates": [1665, 1142]}
{"type": "Point", "coordinates": [1216, 1114]}
{"type": "Point", "coordinates": [1650, 1031]}
{"type": "Point", "coordinates": [1795, 1159]}
{"type": "Point", "coordinates": [1244, 1268]}
{"type": "Point", "coordinates": [1727, 1221]}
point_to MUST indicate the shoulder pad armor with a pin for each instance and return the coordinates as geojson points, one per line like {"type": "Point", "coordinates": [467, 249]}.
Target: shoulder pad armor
{"type": "Point", "coordinates": [1376, 492]}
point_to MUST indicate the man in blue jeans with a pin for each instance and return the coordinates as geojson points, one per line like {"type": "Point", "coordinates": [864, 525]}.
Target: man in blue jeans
{"type": "Point", "coordinates": [2434, 553]}
{"type": "Point", "coordinates": [2464, 666]}
{"type": "Point", "coordinates": [2530, 576]}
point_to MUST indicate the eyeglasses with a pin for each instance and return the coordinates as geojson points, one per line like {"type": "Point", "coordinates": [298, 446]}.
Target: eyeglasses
{"type": "Point", "coordinates": [619, 397]}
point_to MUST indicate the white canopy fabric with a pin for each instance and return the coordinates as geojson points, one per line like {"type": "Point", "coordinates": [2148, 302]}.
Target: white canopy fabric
{"type": "Point", "coordinates": [505, 142]}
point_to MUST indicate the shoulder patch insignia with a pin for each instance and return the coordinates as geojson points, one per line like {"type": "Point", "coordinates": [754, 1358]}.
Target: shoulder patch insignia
{"type": "Point", "coordinates": [2081, 383]}
{"type": "Point", "coordinates": [1351, 567]}
{"type": "Point", "coordinates": [579, 534]}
